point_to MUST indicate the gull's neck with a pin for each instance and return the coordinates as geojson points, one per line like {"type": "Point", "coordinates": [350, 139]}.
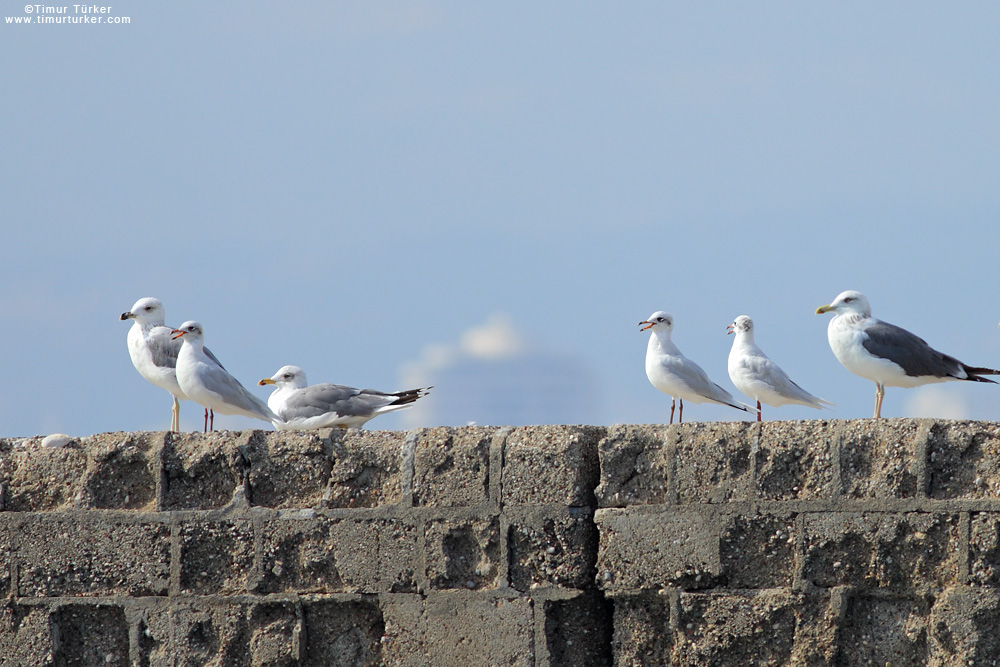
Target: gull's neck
{"type": "Point", "coordinates": [660, 339]}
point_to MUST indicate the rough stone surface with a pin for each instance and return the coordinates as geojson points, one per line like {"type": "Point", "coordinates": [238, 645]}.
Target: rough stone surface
{"type": "Point", "coordinates": [550, 550]}
{"type": "Point", "coordinates": [650, 551]}
{"type": "Point", "coordinates": [288, 470]}
{"type": "Point", "coordinates": [713, 462]}
{"type": "Point", "coordinates": [636, 465]}
{"type": "Point", "coordinates": [822, 542]}
{"type": "Point", "coordinates": [463, 554]}
{"type": "Point", "coordinates": [90, 556]}
{"type": "Point", "coordinates": [365, 468]}
{"type": "Point", "coordinates": [963, 459]}
{"type": "Point", "coordinates": [895, 551]}
{"type": "Point", "coordinates": [551, 464]}
{"type": "Point", "coordinates": [451, 466]}
{"type": "Point", "coordinates": [799, 468]}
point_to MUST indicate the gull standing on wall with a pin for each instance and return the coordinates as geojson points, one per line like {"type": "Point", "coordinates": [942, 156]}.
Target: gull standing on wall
{"type": "Point", "coordinates": [211, 385]}
{"type": "Point", "coordinates": [886, 354]}
{"type": "Point", "coordinates": [757, 376]}
{"type": "Point", "coordinates": [672, 373]}
{"type": "Point", "coordinates": [303, 407]}
{"type": "Point", "coordinates": [154, 351]}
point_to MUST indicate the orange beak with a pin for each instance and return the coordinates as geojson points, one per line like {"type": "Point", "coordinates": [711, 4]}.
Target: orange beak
{"type": "Point", "coordinates": [177, 333]}
{"type": "Point", "coordinates": [730, 328]}
{"type": "Point", "coordinates": [648, 324]}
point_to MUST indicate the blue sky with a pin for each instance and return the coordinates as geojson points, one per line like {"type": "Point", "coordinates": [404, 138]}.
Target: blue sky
{"type": "Point", "coordinates": [344, 186]}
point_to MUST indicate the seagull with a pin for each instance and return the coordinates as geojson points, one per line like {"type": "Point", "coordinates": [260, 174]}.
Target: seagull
{"type": "Point", "coordinates": [210, 384]}
{"type": "Point", "coordinates": [672, 373]}
{"type": "Point", "coordinates": [758, 377]}
{"type": "Point", "coordinates": [302, 407]}
{"type": "Point", "coordinates": [886, 354]}
{"type": "Point", "coordinates": [154, 351]}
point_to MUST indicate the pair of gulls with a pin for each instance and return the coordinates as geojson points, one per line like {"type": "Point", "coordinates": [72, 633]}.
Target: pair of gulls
{"type": "Point", "coordinates": [178, 361]}
{"type": "Point", "coordinates": [883, 353]}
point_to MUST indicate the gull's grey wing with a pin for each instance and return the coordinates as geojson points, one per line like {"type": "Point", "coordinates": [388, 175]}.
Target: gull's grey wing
{"type": "Point", "coordinates": [162, 347]}
{"type": "Point", "coordinates": [320, 399]}
{"type": "Point", "coordinates": [219, 381]}
{"type": "Point", "coordinates": [211, 356]}
{"type": "Point", "coordinates": [909, 351]}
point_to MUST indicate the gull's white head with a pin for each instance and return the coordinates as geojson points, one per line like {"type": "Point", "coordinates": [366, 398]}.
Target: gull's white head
{"type": "Point", "coordinates": [146, 311]}
{"type": "Point", "coordinates": [659, 322]}
{"type": "Point", "coordinates": [741, 325]}
{"type": "Point", "coordinates": [190, 331]}
{"type": "Point", "coordinates": [851, 301]}
{"type": "Point", "coordinates": [287, 376]}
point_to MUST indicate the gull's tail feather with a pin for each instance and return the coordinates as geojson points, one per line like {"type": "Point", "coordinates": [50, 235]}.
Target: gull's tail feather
{"type": "Point", "coordinates": [974, 373]}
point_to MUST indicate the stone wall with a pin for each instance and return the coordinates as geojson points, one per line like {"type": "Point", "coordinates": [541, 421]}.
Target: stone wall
{"type": "Point", "coordinates": [812, 543]}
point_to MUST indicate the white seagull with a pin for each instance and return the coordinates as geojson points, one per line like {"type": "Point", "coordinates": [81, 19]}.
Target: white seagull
{"type": "Point", "coordinates": [757, 376]}
{"type": "Point", "coordinates": [886, 354]}
{"type": "Point", "coordinates": [154, 351]}
{"type": "Point", "coordinates": [303, 407]}
{"type": "Point", "coordinates": [672, 373]}
{"type": "Point", "coordinates": [210, 384]}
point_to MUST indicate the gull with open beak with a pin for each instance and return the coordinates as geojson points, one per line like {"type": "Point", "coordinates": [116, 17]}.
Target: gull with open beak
{"type": "Point", "coordinates": [154, 351]}
{"type": "Point", "coordinates": [211, 385]}
{"type": "Point", "coordinates": [757, 376]}
{"type": "Point", "coordinates": [674, 374]}
{"type": "Point", "coordinates": [886, 354]}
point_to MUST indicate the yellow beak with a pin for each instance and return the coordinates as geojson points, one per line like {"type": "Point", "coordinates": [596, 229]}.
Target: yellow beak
{"type": "Point", "coordinates": [823, 309]}
{"type": "Point", "coordinates": [265, 381]}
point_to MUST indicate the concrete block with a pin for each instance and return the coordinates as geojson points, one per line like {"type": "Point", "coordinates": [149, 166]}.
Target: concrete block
{"type": "Point", "coordinates": [217, 557]}
{"type": "Point", "coordinates": [25, 635]}
{"type": "Point", "coordinates": [457, 628]}
{"type": "Point", "coordinates": [463, 553]}
{"type": "Point", "coordinates": [40, 479]}
{"type": "Point", "coordinates": [984, 548]}
{"type": "Point", "coordinates": [878, 458]}
{"type": "Point", "coordinates": [795, 461]}
{"type": "Point", "coordinates": [635, 465]}
{"type": "Point", "coordinates": [758, 551]}
{"type": "Point", "coordinates": [451, 466]}
{"type": "Point", "coordinates": [152, 634]}
{"type": "Point", "coordinates": [578, 630]}
{"type": "Point", "coordinates": [551, 464]}
{"type": "Point", "coordinates": [298, 556]}
{"type": "Point", "coordinates": [911, 551]}
{"type": "Point", "coordinates": [342, 634]}
{"type": "Point", "coordinates": [288, 469]}
{"type": "Point", "coordinates": [5, 558]}
{"type": "Point", "coordinates": [553, 549]}
{"type": "Point", "coordinates": [83, 555]}
{"type": "Point", "coordinates": [642, 631]}
{"type": "Point", "coordinates": [376, 555]}
{"type": "Point", "coordinates": [202, 470]}
{"type": "Point", "coordinates": [237, 632]}
{"type": "Point", "coordinates": [736, 629]}
{"type": "Point", "coordinates": [366, 468]}
{"type": "Point", "coordinates": [122, 471]}
{"type": "Point", "coordinates": [963, 627]}
{"type": "Point", "coordinates": [85, 635]}
{"type": "Point", "coordinates": [712, 462]}
{"type": "Point", "coordinates": [963, 459]}
{"type": "Point", "coordinates": [883, 631]}
{"type": "Point", "coordinates": [650, 550]}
